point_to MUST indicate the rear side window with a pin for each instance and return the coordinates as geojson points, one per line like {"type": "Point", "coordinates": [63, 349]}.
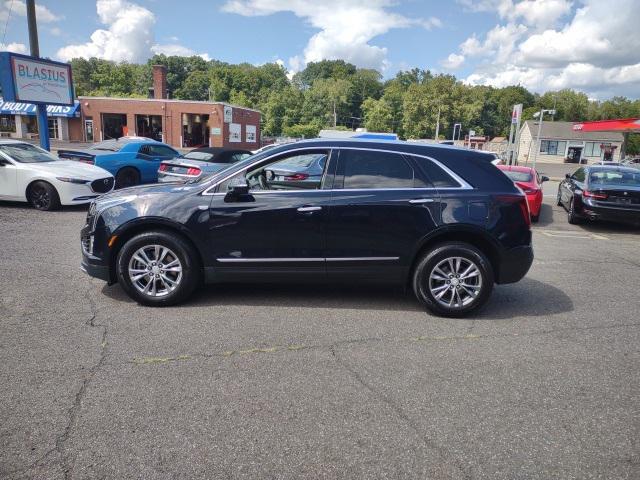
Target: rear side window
{"type": "Point", "coordinates": [363, 169]}
{"type": "Point", "coordinates": [438, 177]}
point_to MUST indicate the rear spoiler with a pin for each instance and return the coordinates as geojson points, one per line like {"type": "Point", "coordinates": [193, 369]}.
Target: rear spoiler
{"type": "Point", "coordinates": [78, 156]}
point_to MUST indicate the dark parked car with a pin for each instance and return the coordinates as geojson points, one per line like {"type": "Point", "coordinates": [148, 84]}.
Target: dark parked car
{"type": "Point", "coordinates": [602, 192]}
{"type": "Point", "coordinates": [439, 219]}
{"type": "Point", "coordinates": [197, 162]}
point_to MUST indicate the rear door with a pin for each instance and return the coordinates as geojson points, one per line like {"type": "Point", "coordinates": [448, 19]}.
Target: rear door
{"type": "Point", "coordinates": [381, 206]}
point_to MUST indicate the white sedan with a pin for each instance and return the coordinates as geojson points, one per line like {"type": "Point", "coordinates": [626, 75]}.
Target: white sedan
{"type": "Point", "coordinates": [31, 174]}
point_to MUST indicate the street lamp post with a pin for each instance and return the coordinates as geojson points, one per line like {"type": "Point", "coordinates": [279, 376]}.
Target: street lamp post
{"type": "Point", "coordinates": [540, 115]}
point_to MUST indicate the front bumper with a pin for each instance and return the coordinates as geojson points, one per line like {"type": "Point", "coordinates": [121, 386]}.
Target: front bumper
{"type": "Point", "coordinates": [95, 271]}
{"type": "Point", "coordinates": [514, 264]}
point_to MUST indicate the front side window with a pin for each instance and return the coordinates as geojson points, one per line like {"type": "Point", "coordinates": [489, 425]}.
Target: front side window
{"type": "Point", "coordinates": [296, 171]}
{"type": "Point", "coordinates": [363, 169]}
{"type": "Point", "coordinates": [27, 153]}
{"type": "Point", "coordinates": [579, 176]}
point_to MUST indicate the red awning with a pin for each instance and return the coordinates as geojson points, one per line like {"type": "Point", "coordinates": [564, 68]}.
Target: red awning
{"type": "Point", "coordinates": [617, 125]}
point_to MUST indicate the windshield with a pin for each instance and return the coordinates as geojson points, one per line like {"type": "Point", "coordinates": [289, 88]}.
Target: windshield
{"type": "Point", "coordinates": [27, 153]}
{"type": "Point", "coordinates": [615, 178]}
{"type": "Point", "coordinates": [518, 176]}
{"type": "Point", "coordinates": [108, 145]}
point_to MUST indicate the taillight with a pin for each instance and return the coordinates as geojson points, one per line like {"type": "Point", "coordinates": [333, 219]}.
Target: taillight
{"type": "Point", "coordinates": [521, 200]}
{"type": "Point", "coordinates": [296, 176]}
{"type": "Point", "coordinates": [163, 167]}
{"type": "Point", "coordinates": [193, 171]}
{"type": "Point", "coordinates": [594, 195]}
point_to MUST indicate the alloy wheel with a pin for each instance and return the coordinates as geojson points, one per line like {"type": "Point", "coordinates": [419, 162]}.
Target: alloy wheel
{"type": "Point", "coordinates": [155, 270]}
{"type": "Point", "coordinates": [40, 197]}
{"type": "Point", "coordinates": [455, 282]}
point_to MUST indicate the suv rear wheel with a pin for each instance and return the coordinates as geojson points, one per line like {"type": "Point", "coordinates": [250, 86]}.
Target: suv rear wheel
{"type": "Point", "coordinates": [158, 269]}
{"type": "Point", "coordinates": [453, 280]}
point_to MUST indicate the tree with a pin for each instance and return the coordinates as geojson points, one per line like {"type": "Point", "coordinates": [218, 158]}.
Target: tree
{"type": "Point", "coordinates": [378, 115]}
{"type": "Point", "coordinates": [308, 130]}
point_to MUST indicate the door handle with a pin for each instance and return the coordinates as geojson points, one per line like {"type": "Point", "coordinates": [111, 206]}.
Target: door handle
{"type": "Point", "coordinates": [309, 209]}
{"type": "Point", "coordinates": [421, 200]}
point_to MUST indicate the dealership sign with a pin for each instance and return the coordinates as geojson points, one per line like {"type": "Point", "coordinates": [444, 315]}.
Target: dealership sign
{"type": "Point", "coordinates": [34, 80]}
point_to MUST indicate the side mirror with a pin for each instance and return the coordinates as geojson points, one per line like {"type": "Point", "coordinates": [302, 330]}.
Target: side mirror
{"type": "Point", "coordinates": [544, 178]}
{"type": "Point", "coordinates": [237, 192]}
{"type": "Point", "coordinates": [3, 162]}
{"type": "Point", "coordinates": [567, 176]}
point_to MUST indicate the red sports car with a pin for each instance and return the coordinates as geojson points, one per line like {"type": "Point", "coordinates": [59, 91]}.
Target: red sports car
{"type": "Point", "coordinates": [531, 184]}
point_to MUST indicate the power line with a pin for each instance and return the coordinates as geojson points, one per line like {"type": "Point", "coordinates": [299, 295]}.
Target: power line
{"type": "Point", "coordinates": [6, 24]}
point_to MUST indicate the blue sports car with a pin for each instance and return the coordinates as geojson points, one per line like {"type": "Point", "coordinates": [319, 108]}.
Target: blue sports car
{"type": "Point", "coordinates": [131, 160]}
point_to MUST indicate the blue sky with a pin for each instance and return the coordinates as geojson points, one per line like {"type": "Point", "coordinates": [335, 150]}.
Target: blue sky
{"type": "Point", "coordinates": [541, 44]}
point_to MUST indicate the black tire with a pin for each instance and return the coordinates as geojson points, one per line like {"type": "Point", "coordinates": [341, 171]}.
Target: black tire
{"type": "Point", "coordinates": [572, 218]}
{"type": "Point", "coordinates": [43, 196]}
{"type": "Point", "coordinates": [127, 177]}
{"type": "Point", "coordinates": [535, 218]}
{"type": "Point", "coordinates": [432, 259]}
{"type": "Point", "coordinates": [182, 250]}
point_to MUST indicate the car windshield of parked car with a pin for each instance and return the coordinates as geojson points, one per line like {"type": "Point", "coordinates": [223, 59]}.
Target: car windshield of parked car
{"type": "Point", "coordinates": [108, 145]}
{"type": "Point", "coordinates": [615, 178]}
{"type": "Point", "coordinates": [518, 176]}
{"type": "Point", "coordinates": [27, 153]}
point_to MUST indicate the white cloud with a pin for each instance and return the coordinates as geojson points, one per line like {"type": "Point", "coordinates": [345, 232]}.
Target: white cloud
{"type": "Point", "coordinates": [178, 50]}
{"type": "Point", "coordinates": [453, 61]}
{"type": "Point", "coordinates": [14, 47]}
{"type": "Point", "coordinates": [43, 14]}
{"type": "Point", "coordinates": [129, 36]}
{"type": "Point", "coordinates": [346, 28]}
{"type": "Point", "coordinates": [539, 13]}
{"type": "Point", "coordinates": [596, 51]}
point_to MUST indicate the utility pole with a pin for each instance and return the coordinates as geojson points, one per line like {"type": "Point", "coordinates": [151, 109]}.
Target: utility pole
{"type": "Point", "coordinates": [438, 125]}
{"type": "Point", "coordinates": [43, 124]}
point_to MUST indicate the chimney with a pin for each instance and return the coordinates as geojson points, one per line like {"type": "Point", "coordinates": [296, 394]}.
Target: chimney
{"type": "Point", "coordinates": [159, 81]}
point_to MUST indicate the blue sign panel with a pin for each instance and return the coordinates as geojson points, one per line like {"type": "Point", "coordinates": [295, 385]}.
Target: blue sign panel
{"type": "Point", "coordinates": [19, 108]}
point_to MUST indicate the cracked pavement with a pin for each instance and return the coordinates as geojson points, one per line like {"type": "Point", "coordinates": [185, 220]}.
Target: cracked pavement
{"type": "Point", "coordinates": [273, 381]}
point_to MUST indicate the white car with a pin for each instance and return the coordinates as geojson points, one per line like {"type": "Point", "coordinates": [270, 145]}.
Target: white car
{"type": "Point", "coordinates": [31, 174]}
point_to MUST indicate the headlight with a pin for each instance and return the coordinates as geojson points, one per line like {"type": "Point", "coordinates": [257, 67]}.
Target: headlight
{"type": "Point", "coordinates": [79, 181]}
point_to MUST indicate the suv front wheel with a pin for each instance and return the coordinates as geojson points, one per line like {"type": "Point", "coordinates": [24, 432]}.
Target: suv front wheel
{"type": "Point", "coordinates": [158, 269]}
{"type": "Point", "coordinates": [453, 280]}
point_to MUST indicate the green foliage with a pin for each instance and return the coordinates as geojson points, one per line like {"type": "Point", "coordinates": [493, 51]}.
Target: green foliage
{"type": "Point", "coordinates": [307, 130]}
{"type": "Point", "coordinates": [337, 94]}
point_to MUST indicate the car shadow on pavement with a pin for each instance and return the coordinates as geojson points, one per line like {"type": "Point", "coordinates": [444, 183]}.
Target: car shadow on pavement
{"type": "Point", "coordinates": [524, 299]}
{"type": "Point", "coordinates": [546, 216]}
{"type": "Point", "coordinates": [527, 298]}
{"type": "Point", "coordinates": [25, 206]}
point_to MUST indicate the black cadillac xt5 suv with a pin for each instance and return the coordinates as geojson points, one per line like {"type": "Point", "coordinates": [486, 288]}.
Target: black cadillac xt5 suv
{"type": "Point", "coordinates": [441, 220]}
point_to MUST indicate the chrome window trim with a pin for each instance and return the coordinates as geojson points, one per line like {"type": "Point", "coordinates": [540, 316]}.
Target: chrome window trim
{"type": "Point", "coordinates": [463, 184]}
{"type": "Point", "coordinates": [304, 259]}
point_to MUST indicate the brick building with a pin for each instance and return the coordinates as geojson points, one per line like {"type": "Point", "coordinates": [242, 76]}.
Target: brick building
{"type": "Point", "coordinates": [180, 123]}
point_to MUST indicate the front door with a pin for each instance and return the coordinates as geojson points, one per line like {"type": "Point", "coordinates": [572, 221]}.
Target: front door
{"type": "Point", "coordinates": [278, 227]}
{"type": "Point", "coordinates": [8, 179]}
{"type": "Point", "coordinates": [381, 207]}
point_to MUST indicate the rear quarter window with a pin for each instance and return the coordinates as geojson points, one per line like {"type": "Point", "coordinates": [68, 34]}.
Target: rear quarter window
{"type": "Point", "coordinates": [438, 177]}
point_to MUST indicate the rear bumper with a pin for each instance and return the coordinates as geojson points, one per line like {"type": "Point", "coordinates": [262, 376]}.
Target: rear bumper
{"type": "Point", "coordinates": [611, 214]}
{"type": "Point", "coordinates": [514, 264]}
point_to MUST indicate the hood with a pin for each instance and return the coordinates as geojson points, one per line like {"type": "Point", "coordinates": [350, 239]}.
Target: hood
{"type": "Point", "coordinates": [69, 168]}
{"type": "Point", "coordinates": [142, 192]}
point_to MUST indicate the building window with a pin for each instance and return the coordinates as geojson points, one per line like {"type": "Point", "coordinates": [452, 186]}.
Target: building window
{"type": "Point", "coordinates": [592, 149]}
{"type": "Point", "coordinates": [53, 127]}
{"type": "Point", "coordinates": [552, 147]}
{"type": "Point", "coordinates": [7, 123]}
{"type": "Point", "coordinates": [251, 133]}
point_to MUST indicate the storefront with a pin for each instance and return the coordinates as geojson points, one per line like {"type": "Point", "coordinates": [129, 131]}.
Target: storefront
{"type": "Point", "coordinates": [18, 120]}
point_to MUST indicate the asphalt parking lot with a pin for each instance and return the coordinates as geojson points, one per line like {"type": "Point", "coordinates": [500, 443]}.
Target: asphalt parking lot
{"type": "Point", "coordinates": [320, 382]}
